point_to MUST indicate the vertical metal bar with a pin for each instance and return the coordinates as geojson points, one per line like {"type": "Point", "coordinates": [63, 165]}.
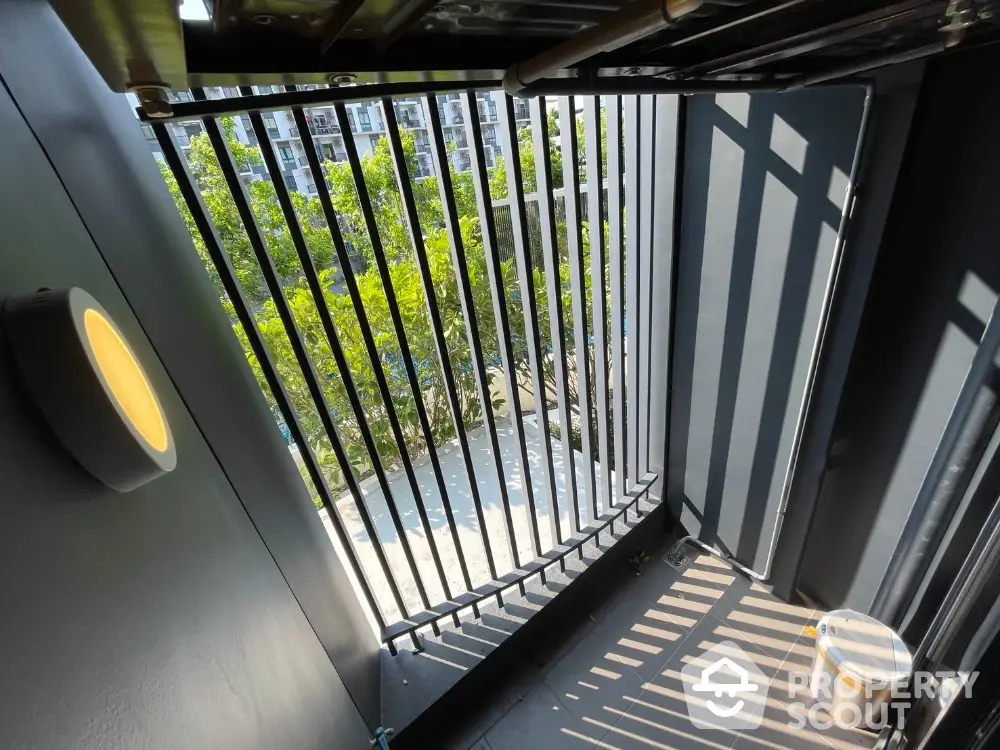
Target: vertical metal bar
{"type": "Point", "coordinates": [616, 256]}
{"type": "Point", "coordinates": [481, 182]}
{"type": "Point", "coordinates": [958, 452]}
{"type": "Point", "coordinates": [323, 310]}
{"type": "Point", "coordinates": [577, 264]}
{"type": "Point", "coordinates": [633, 213]}
{"type": "Point", "coordinates": [411, 373]}
{"type": "Point", "coordinates": [452, 224]}
{"type": "Point", "coordinates": [966, 586]}
{"type": "Point", "coordinates": [598, 286]}
{"type": "Point", "coordinates": [677, 213]}
{"type": "Point", "coordinates": [413, 219]}
{"type": "Point", "coordinates": [366, 333]}
{"type": "Point", "coordinates": [647, 190]}
{"type": "Point", "coordinates": [270, 275]}
{"type": "Point", "coordinates": [192, 196]}
{"type": "Point", "coordinates": [529, 305]}
{"type": "Point", "coordinates": [553, 288]}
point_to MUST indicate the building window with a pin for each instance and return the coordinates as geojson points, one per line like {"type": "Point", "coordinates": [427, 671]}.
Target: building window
{"type": "Point", "coordinates": [312, 187]}
{"type": "Point", "coordinates": [350, 121]}
{"type": "Point", "coordinates": [287, 155]}
{"type": "Point", "coordinates": [493, 109]}
{"type": "Point", "coordinates": [364, 120]}
{"type": "Point", "coordinates": [374, 140]}
{"type": "Point", "coordinates": [263, 89]}
{"type": "Point", "coordinates": [230, 91]}
{"type": "Point", "coordinates": [147, 131]}
{"type": "Point", "coordinates": [449, 136]}
{"type": "Point", "coordinates": [408, 117]}
{"type": "Point", "coordinates": [290, 182]}
{"type": "Point", "coordinates": [192, 129]}
{"type": "Point", "coordinates": [326, 151]}
{"type": "Point", "coordinates": [271, 125]}
{"type": "Point", "coordinates": [248, 129]}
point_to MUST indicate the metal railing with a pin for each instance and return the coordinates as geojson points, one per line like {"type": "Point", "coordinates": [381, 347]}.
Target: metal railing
{"type": "Point", "coordinates": [581, 348]}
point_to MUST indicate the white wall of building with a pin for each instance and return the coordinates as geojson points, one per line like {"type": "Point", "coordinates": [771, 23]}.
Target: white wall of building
{"type": "Point", "coordinates": [367, 125]}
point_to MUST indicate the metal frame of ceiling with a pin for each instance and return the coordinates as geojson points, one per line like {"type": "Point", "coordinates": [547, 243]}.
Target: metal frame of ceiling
{"type": "Point", "coordinates": [543, 46]}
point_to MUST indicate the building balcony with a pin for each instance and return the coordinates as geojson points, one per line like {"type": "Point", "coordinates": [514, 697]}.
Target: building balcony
{"type": "Point", "coordinates": [568, 471]}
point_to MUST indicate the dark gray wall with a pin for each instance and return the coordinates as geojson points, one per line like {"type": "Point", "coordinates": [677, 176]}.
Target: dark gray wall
{"type": "Point", "coordinates": [668, 124]}
{"type": "Point", "coordinates": [94, 143]}
{"type": "Point", "coordinates": [764, 182]}
{"type": "Point", "coordinates": [936, 280]}
{"type": "Point", "coordinates": [207, 609]}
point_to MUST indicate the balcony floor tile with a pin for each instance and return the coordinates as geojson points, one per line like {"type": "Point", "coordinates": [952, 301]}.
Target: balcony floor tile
{"type": "Point", "coordinates": [619, 684]}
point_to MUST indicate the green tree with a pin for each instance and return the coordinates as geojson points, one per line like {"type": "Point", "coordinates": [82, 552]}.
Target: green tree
{"type": "Point", "coordinates": [526, 147]}
{"type": "Point", "coordinates": [380, 179]}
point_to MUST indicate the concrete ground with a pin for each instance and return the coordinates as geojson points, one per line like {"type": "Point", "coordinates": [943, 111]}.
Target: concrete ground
{"type": "Point", "coordinates": [460, 497]}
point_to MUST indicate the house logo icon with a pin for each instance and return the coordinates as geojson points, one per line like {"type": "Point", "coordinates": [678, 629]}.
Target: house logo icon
{"type": "Point", "coordinates": [724, 689]}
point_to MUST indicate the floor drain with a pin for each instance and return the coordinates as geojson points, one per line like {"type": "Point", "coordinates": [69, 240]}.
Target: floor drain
{"type": "Point", "coordinates": [676, 559]}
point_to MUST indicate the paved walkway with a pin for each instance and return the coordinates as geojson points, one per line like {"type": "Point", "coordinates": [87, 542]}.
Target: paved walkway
{"type": "Point", "coordinates": [460, 496]}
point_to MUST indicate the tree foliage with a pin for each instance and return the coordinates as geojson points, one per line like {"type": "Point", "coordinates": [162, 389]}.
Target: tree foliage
{"type": "Point", "coordinates": [394, 233]}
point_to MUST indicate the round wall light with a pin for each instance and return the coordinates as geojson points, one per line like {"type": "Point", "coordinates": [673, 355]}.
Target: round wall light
{"type": "Point", "coordinates": [89, 386]}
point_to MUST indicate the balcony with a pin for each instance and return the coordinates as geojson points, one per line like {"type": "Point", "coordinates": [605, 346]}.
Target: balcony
{"type": "Point", "coordinates": [502, 441]}
{"type": "Point", "coordinates": [522, 400]}
{"type": "Point", "coordinates": [770, 320]}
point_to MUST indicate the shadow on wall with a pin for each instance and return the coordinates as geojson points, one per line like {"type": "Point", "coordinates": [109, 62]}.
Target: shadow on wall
{"type": "Point", "coordinates": [764, 185]}
{"type": "Point", "coordinates": [935, 283]}
{"type": "Point", "coordinates": [882, 453]}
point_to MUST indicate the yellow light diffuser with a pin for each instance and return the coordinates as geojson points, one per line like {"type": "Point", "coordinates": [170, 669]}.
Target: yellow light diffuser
{"type": "Point", "coordinates": [126, 379]}
{"type": "Point", "coordinates": [90, 387]}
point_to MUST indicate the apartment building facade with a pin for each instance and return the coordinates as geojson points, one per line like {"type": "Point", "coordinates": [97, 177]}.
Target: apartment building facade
{"type": "Point", "coordinates": [367, 125]}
